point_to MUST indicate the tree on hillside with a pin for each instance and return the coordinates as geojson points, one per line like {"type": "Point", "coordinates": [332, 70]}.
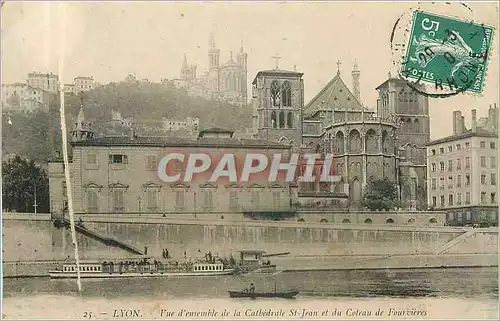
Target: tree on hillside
{"type": "Point", "coordinates": [14, 100]}
{"type": "Point", "coordinates": [381, 194]}
{"type": "Point", "coordinates": [20, 179]}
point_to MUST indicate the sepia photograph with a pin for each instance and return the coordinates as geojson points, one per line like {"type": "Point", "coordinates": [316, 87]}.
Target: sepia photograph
{"type": "Point", "coordinates": [218, 160]}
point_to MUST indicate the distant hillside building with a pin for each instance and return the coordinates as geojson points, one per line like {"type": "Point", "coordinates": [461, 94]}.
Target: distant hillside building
{"type": "Point", "coordinates": [83, 83]}
{"type": "Point", "coordinates": [226, 82]}
{"type": "Point", "coordinates": [463, 171]}
{"type": "Point", "coordinates": [190, 124]}
{"type": "Point", "coordinates": [23, 98]}
{"type": "Point", "coordinates": [80, 83]}
{"type": "Point", "coordinates": [44, 81]}
{"type": "Point", "coordinates": [118, 120]}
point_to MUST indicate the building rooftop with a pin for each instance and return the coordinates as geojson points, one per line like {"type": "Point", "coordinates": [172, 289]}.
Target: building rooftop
{"type": "Point", "coordinates": [479, 133]}
{"type": "Point", "coordinates": [279, 72]}
{"type": "Point", "coordinates": [216, 130]}
{"type": "Point", "coordinates": [334, 96]}
{"type": "Point", "coordinates": [162, 141]}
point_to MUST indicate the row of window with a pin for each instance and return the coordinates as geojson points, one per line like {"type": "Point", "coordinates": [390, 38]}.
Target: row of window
{"type": "Point", "coordinates": [82, 268]}
{"type": "Point", "coordinates": [208, 268]}
{"type": "Point", "coordinates": [482, 145]}
{"type": "Point", "coordinates": [458, 163]}
{"type": "Point", "coordinates": [151, 201]}
{"type": "Point", "coordinates": [458, 182]}
{"type": "Point", "coordinates": [369, 221]}
{"type": "Point", "coordinates": [458, 200]}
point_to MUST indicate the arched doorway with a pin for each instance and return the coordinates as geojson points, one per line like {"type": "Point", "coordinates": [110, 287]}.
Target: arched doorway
{"type": "Point", "coordinates": [368, 221]}
{"type": "Point", "coordinates": [355, 191]}
{"type": "Point", "coordinates": [389, 221]}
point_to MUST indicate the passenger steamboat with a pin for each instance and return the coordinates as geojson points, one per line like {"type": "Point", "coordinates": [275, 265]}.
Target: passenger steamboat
{"type": "Point", "coordinates": [141, 268]}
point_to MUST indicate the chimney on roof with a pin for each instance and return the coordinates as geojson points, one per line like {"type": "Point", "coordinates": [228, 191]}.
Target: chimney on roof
{"type": "Point", "coordinates": [457, 119]}
{"type": "Point", "coordinates": [493, 117]}
{"type": "Point", "coordinates": [462, 124]}
{"type": "Point", "coordinates": [474, 120]}
{"type": "Point", "coordinates": [133, 136]}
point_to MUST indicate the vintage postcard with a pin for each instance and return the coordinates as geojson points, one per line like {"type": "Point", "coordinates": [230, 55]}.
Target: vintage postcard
{"type": "Point", "coordinates": [249, 160]}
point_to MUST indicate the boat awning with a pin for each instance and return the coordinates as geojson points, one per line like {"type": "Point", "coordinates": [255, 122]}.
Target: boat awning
{"type": "Point", "coordinates": [252, 252]}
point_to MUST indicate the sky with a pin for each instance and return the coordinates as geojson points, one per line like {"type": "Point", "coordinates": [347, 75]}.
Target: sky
{"type": "Point", "coordinates": [108, 40]}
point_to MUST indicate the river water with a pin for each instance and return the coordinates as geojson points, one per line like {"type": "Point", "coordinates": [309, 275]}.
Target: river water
{"type": "Point", "coordinates": [439, 293]}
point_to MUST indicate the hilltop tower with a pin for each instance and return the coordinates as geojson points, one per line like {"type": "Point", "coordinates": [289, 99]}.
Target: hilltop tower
{"type": "Point", "coordinates": [82, 129]}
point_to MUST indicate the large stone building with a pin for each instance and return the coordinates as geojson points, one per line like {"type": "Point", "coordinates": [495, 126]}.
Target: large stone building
{"type": "Point", "coordinates": [226, 82]}
{"type": "Point", "coordinates": [367, 145]}
{"type": "Point", "coordinates": [44, 81]}
{"type": "Point", "coordinates": [120, 175]}
{"type": "Point", "coordinates": [20, 97]}
{"type": "Point", "coordinates": [463, 171]}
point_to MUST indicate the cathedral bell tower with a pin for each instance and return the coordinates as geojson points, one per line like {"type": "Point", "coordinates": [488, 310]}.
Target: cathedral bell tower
{"type": "Point", "coordinates": [410, 112]}
{"type": "Point", "coordinates": [82, 130]}
{"type": "Point", "coordinates": [278, 102]}
{"type": "Point", "coordinates": [213, 54]}
{"type": "Point", "coordinates": [242, 61]}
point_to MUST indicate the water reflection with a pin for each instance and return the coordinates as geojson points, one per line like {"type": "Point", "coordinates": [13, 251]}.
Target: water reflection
{"type": "Point", "coordinates": [460, 282]}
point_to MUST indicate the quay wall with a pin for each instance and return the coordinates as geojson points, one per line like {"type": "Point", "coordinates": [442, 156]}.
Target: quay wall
{"type": "Point", "coordinates": [35, 238]}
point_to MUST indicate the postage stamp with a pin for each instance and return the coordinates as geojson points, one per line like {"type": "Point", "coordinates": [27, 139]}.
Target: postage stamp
{"type": "Point", "coordinates": [445, 51]}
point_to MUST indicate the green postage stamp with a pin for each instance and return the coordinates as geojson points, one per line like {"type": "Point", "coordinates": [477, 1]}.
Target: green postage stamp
{"type": "Point", "coordinates": [451, 54]}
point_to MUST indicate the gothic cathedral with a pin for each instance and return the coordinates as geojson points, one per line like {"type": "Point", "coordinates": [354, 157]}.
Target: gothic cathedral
{"type": "Point", "coordinates": [388, 143]}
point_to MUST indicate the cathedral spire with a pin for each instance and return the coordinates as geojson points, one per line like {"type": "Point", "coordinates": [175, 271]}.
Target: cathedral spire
{"type": "Point", "coordinates": [355, 81]}
{"type": "Point", "coordinates": [82, 129]}
{"type": "Point", "coordinates": [81, 116]}
{"type": "Point", "coordinates": [338, 66]}
{"type": "Point", "coordinates": [185, 63]}
{"type": "Point", "coordinates": [211, 40]}
{"type": "Point", "coordinates": [241, 47]}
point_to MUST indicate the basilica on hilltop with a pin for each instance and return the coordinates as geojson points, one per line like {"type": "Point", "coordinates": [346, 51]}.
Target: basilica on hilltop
{"type": "Point", "coordinates": [225, 82]}
{"type": "Point", "coordinates": [386, 143]}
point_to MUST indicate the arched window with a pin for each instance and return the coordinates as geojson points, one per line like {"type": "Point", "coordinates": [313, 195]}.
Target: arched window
{"type": "Point", "coordinates": [282, 120]}
{"type": "Point", "coordinates": [354, 141]}
{"type": "Point", "coordinates": [385, 142]}
{"type": "Point", "coordinates": [371, 141]}
{"type": "Point", "coordinates": [433, 221]}
{"type": "Point", "coordinates": [286, 93]}
{"type": "Point", "coordinates": [323, 220]}
{"type": "Point", "coordinates": [389, 221]}
{"type": "Point", "coordinates": [273, 119]}
{"type": "Point", "coordinates": [275, 94]}
{"type": "Point", "coordinates": [300, 220]}
{"type": "Point", "coordinates": [368, 221]}
{"type": "Point", "coordinates": [411, 221]}
{"type": "Point", "coordinates": [289, 120]}
{"type": "Point", "coordinates": [345, 221]}
{"type": "Point", "coordinates": [339, 142]}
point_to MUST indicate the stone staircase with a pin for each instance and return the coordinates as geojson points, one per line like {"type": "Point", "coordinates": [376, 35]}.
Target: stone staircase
{"type": "Point", "coordinates": [102, 238]}
{"type": "Point", "coordinates": [461, 238]}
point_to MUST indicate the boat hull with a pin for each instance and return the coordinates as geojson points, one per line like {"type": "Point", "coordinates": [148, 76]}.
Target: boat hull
{"type": "Point", "coordinates": [105, 275]}
{"type": "Point", "coordinates": [253, 295]}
